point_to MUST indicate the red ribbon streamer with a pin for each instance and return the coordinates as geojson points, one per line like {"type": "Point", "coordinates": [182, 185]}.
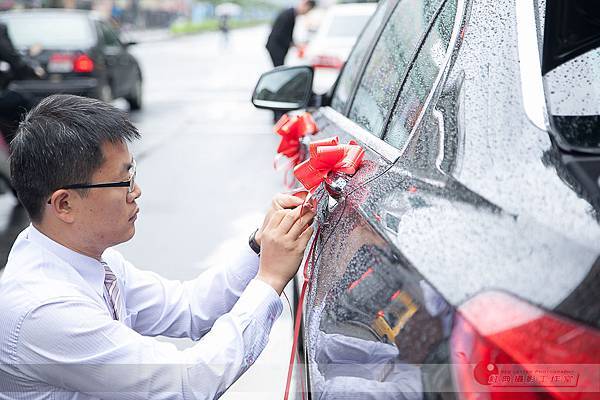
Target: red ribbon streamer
{"type": "Point", "coordinates": [328, 156]}
{"type": "Point", "coordinates": [305, 285]}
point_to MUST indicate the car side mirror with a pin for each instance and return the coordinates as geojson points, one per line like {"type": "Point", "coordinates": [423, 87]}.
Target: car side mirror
{"type": "Point", "coordinates": [284, 88]}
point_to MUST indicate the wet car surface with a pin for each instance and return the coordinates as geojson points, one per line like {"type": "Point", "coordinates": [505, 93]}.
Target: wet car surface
{"type": "Point", "coordinates": [463, 257]}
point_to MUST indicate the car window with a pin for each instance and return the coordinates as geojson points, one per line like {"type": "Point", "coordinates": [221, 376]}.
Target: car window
{"type": "Point", "coordinates": [381, 81]}
{"type": "Point", "coordinates": [52, 31]}
{"type": "Point", "coordinates": [421, 77]}
{"type": "Point", "coordinates": [110, 37]}
{"type": "Point", "coordinates": [352, 67]}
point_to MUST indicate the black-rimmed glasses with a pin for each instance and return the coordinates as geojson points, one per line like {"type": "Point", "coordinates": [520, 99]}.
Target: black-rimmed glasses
{"type": "Point", "coordinates": [129, 184]}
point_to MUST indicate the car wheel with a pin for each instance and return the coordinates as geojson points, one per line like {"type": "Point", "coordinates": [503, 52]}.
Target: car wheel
{"type": "Point", "coordinates": [135, 97]}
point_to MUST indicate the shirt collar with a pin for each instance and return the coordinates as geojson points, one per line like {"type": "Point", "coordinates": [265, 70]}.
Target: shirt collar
{"type": "Point", "coordinates": [90, 269]}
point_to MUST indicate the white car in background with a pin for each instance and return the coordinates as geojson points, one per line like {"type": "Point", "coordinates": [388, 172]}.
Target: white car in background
{"type": "Point", "coordinates": [330, 46]}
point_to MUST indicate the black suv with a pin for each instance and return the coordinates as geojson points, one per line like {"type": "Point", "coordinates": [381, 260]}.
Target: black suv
{"type": "Point", "coordinates": [463, 259]}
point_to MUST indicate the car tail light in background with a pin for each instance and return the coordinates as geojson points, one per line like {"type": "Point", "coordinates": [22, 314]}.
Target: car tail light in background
{"type": "Point", "coordinates": [65, 62]}
{"type": "Point", "coordinates": [505, 348]}
{"type": "Point", "coordinates": [83, 63]}
{"type": "Point", "coordinates": [325, 61]}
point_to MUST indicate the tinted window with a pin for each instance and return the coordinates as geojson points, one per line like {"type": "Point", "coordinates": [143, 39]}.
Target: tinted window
{"type": "Point", "coordinates": [383, 76]}
{"type": "Point", "coordinates": [352, 68]}
{"type": "Point", "coordinates": [110, 37]}
{"type": "Point", "coordinates": [421, 77]}
{"type": "Point", "coordinates": [52, 31]}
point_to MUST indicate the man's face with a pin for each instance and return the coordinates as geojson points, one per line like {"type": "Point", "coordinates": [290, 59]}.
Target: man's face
{"type": "Point", "coordinates": [107, 216]}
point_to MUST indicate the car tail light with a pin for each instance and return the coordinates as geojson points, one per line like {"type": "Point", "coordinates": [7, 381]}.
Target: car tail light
{"type": "Point", "coordinates": [505, 348]}
{"type": "Point", "coordinates": [324, 61]}
{"type": "Point", "coordinates": [65, 62]}
{"type": "Point", "coordinates": [83, 63]}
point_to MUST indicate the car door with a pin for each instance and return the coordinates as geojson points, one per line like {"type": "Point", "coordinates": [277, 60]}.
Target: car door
{"type": "Point", "coordinates": [118, 61]}
{"type": "Point", "coordinates": [374, 327]}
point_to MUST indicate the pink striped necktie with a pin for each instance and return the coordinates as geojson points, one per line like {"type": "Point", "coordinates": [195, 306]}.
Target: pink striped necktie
{"type": "Point", "coordinates": [112, 288]}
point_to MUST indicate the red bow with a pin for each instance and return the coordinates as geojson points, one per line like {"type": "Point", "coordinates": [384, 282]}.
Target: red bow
{"type": "Point", "coordinates": [328, 156]}
{"type": "Point", "coordinates": [291, 130]}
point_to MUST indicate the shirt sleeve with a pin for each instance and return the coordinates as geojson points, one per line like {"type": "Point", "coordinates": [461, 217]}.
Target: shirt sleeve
{"type": "Point", "coordinates": [70, 343]}
{"type": "Point", "coordinates": [159, 306]}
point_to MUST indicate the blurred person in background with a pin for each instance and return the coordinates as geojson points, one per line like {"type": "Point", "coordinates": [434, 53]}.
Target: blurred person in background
{"type": "Point", "coordinates": [281, 38]}
{"type": "Point", "coordinates": [224, 26]}
{"type": "Point", "coordinates": [78, 320]}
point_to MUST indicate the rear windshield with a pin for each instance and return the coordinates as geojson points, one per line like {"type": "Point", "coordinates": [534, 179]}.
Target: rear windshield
{"type": "Point", "coordinates": [51, 31]}
{"type": "Point", "coordinates": [347, 25]}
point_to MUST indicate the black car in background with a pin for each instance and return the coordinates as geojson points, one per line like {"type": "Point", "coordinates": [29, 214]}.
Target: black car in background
{"type": "Point", "coordinates": [462, 261]}
{"type": "Point", "coordinates": [80, 53]}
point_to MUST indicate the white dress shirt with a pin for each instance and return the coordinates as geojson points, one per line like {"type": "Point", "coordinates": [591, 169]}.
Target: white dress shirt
{"type": "Point", "coordinates": [59, 341]}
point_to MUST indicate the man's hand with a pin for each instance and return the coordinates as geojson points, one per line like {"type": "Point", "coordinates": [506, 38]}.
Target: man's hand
{"type": "Point", "coordinates": [281, 201]}
{"type": "Point", "coordinates": [284, 240]}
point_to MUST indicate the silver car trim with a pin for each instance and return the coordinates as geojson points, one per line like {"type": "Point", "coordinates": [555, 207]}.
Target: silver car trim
{"type": "Point", "coordinates": [385, 150]}
{"type": "Point", "coordinates": [275, 104]}
{"type": "Point", "coordinates": [532, 86]}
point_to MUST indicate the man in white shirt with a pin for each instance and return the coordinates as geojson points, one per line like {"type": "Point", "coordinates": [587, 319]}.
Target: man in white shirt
{"type": "Point", "coordinates": [77, 318]}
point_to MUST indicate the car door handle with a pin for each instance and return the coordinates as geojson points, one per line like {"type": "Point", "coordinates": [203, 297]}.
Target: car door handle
{"type": "Point", "coordinates": [335, 185]}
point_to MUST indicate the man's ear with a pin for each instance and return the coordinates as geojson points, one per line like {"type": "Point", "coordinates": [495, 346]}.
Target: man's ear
{"type": "Point", "coordinates": [61, 205]}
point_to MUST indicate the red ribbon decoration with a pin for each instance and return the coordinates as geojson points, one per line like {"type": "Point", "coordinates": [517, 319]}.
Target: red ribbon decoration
{"type": "Point", "coordinates": [291, 130]}
{"type": "Point", "coordinates": [328, 156]}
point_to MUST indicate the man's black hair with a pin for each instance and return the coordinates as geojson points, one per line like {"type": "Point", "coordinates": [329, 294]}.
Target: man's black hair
{"type": "Point", "coordinates": [59, 143]}
{"type": "Point", "coordinates": [311, 3]}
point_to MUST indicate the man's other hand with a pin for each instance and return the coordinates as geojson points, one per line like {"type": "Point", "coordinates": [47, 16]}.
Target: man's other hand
{"type": "Point", "coordinates": [281, 201]}
{"type": "Point", "coordinates": [284, 240]}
